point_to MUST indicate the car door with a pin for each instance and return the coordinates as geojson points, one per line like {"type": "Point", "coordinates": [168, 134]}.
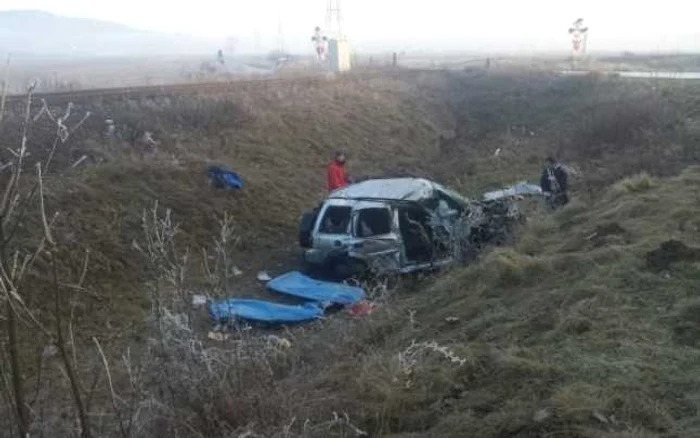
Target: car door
{"type": "Point", "coordinates": [331, 235]}
{"type": "Point", "coordinates": [375, 238]}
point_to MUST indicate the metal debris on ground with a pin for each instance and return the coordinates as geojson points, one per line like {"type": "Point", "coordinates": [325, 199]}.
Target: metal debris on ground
{"type": "Point", "coordinates": [279, 342]}
{"type": "Point", "coordinates": [522, 188]}
{"type": "Point", "coordinates": [596, 414]}
{"type": "Point", "coordinates": [542, 415]}
{"type": "Point", "coordinates": [199, 300]}
{"type": "Point", "coordinates": [77, 163]}
{"type": "Point", "coordinates": [264, 276]}
{"type": "Point", "coordinates": [218, 336]}
{"type": "Point", "coordinates": [493, 222]}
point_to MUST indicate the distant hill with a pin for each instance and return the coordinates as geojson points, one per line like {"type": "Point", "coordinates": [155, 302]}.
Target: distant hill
{"type": "Point", "coordinates": [41, 33]}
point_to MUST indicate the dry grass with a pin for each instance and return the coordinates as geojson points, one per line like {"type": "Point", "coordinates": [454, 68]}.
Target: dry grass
{"type": "Point", "coordinates": [589, 339]}
{"type": "Point", "coordinates": [565, 334]}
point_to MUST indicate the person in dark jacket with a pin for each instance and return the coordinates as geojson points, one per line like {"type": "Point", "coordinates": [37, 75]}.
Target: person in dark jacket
{"type": "Point", "coordinates": [554, 183]}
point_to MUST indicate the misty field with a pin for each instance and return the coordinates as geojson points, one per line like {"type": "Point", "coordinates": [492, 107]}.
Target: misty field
{"type": "Point", "coordinates": [65, 74]}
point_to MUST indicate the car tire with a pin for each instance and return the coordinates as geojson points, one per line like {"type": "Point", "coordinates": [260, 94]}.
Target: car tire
{"type": "Point", "coordinates": [306, 224]}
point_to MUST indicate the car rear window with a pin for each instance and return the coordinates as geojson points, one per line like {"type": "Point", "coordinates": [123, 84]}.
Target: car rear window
{"type": "Point", "coordinates": [373, 222]}
{"type": "Point", "coordinates": [335, 220]}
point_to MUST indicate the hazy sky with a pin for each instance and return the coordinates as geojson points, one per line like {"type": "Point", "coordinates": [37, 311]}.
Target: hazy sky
{"type": "Point", "coordinates": [530, 25]}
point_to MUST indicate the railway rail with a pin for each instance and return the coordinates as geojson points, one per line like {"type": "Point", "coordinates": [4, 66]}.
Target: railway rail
{"type": "Point", "coordinates": [196, 88]}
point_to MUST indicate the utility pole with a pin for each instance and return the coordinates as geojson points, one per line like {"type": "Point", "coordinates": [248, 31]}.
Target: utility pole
{"type": "Point", "coordinates": [338, 47]}
{"type": "Point", "coordinates": [334, 19]}
{"type": "Point", "coordinates": [280, 35]}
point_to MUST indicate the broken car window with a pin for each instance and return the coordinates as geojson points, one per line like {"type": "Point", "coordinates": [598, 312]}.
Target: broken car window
{"type": "Point", "coordinates": [373, 222]}
{"type": "Point", "coordinates": [335, 220]}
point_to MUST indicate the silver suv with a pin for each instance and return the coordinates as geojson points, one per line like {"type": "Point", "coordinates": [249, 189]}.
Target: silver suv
{"type": "Point", "coordinates": [395, 225]}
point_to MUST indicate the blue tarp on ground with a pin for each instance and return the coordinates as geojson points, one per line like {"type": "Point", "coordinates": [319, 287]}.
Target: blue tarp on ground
{"type": "Point", "coordinates": [221, 178]}
{"type": "Point", "coordinates": [299, 285]}
{"type": "Point", "coordinates": [262, 311]}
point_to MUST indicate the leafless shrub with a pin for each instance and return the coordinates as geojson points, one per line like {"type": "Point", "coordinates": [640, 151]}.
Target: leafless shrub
{"type": "Point", "coordinates": [414, 354]}
{"type": "Point", "coordinates": [170, 307]}
{"type": "Point", "coordinates": [17, 263]}
{"type": "Point", "coordinates": [220, 271]}
{"type": "Point", "coordinates": [190, 382]}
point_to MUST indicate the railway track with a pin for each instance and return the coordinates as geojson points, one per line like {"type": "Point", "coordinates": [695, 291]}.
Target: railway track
{"type": "Point", "coordinates": [156, 90]}
{"type": "Point", "coordinates": [191, 88]}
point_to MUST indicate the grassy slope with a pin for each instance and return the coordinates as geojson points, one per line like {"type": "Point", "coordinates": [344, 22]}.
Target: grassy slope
{"type": "Point", "coordinates": [566, 327]}
{"type": "Point", "coordinates": [579, 323]}
{"type": "Point", "coordinates": [568, 333]}
{"type": "Point", "coordinates": [279, 141]}
{"type": "Point", "coordinates": [553, 323]}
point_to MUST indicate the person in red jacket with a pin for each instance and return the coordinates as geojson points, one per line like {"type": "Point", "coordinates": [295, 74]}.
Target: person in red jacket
{"type": "Point", "coordinates": [337, 177]}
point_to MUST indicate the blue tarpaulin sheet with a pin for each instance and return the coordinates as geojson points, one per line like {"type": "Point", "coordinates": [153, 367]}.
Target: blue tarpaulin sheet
{"type": "Point", "coordinates": [262, 311]}
{"type": "Point", "coordinates": [299, 285]}
{"type": "Point", "coordinates": [221, 178]}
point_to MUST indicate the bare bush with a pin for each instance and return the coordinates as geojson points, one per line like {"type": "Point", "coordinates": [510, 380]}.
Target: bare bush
{"type": "Point", "coordinates": [17, 263]}
{"type": "Point", "coordinates": [194, 381]}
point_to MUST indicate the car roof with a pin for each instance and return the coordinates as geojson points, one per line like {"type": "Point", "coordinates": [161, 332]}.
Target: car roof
{"type": "Point", "coordinates": [398, 189]}
{"type": "Point", "coordinates": [356, 204]}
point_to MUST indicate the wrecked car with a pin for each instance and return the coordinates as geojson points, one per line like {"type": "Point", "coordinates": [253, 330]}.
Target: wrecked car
{"type": "Point", "coordinates": [399, 225]}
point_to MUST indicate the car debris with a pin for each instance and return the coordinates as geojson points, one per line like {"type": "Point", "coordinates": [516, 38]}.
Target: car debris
{"type": "Point", "coordinates": [199, 300]}
{"type": "Point", "coordinates": [598, 415]}
{"type": "Point", "coordinates": [400, 225]}
{"type": "Point", "coordinates": [264, 277]}
{"type": "Point", "coordinates": [218, 336]}
{"type": "Point", "coordinates": [278, 342]}
{"type": "Point", "coordinates": [522, 188]}
{"type": "Point", "coordinates": [79, 161]}
{"type": "Point", "coordinates": [543, 415]}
